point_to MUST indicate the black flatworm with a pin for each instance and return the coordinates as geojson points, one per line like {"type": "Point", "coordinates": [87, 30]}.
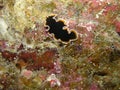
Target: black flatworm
{"type": "Point", "coordinates": [58, 29]}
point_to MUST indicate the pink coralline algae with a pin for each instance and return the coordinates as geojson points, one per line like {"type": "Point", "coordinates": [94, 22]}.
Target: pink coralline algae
{"type": "Point", "coordinates": [94, 87]}
{"type": "Point", "coordinates": [53, 80]}
{"type": "Point", "coordinates": [3, 44]}
{"type": "Point", "coordinates": [86, 34]}
{"type": "Point", "coordinates": [110, 8]}
{"type": "Point", "coordinates": [27, 74]}
{"type": "Point", "coordinates": [117, 25]}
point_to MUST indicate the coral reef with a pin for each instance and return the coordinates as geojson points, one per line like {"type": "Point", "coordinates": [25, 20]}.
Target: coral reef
{"type": "Point", "coordinates": [79, 49]}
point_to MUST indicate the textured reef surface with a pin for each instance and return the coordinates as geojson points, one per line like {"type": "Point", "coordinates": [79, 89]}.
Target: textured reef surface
{"type": "Point", "coordinates": [59, 45]}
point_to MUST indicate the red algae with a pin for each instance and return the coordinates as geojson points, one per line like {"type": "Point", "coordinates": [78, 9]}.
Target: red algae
{"type": "Point", "coordinates": [45, 60]}
{"type": "Point", "coordinates": [27, 55]}
{"type": "Point", "coordinates": [8, 55]}
{"type": "Point", "coordinates": [32, 58]}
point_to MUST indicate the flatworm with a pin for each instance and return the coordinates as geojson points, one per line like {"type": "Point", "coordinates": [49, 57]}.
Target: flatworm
{"type": "Point", "coordinates": [58, 28]}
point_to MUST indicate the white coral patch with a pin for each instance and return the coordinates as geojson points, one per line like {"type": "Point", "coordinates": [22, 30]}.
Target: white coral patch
{"type": "Point", "coordinates": [4, 33]}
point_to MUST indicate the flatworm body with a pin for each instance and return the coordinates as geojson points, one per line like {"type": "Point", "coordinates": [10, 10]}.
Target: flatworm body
{"type": "Point", "coordinates": [58, 29]}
